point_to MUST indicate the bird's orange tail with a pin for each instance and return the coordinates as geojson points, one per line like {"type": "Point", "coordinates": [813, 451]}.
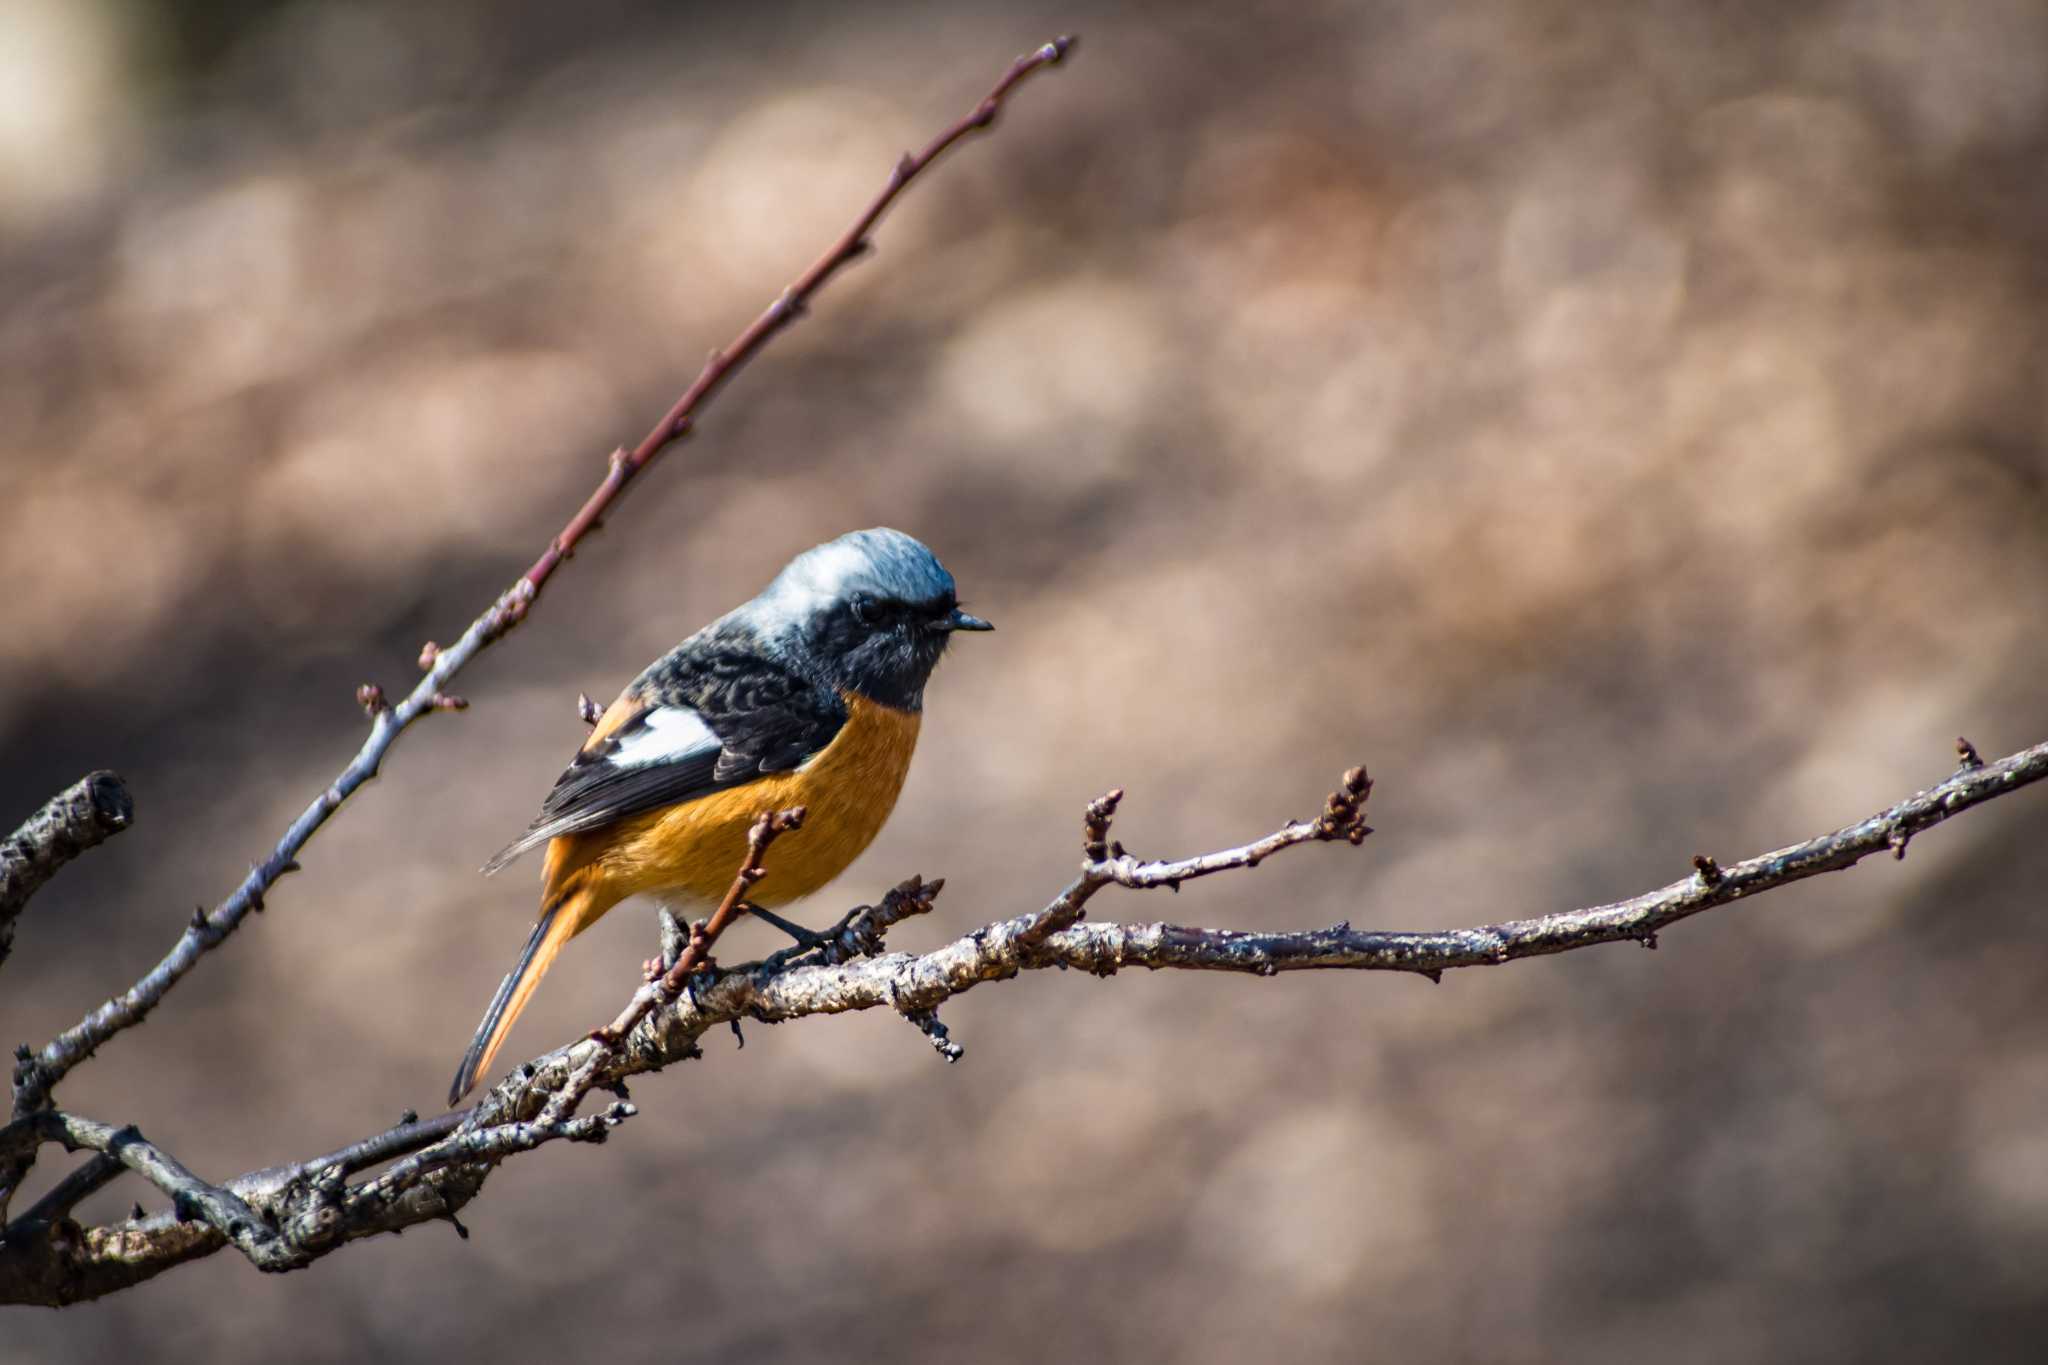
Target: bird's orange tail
{"type": "Point", "coordinates": [564, 918]}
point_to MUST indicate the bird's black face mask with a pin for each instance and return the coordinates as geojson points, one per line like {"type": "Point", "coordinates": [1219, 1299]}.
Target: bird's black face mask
{"type": "Point", "coordinates": [885, 649]}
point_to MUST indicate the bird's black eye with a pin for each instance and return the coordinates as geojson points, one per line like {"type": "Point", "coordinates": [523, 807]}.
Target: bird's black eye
{"type": "Point", "coordinates": [866, 610]}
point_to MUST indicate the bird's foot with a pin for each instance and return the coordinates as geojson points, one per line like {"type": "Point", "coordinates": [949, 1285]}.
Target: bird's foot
{"type": "Point", "coordinates": [820, 942]}
{"type": "Point", "coordinates": [805, 938]}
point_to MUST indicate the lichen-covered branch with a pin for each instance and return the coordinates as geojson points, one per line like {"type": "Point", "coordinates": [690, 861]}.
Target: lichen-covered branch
{"type": "Point", "coordinates": [438, 1165]}
{"type": "Point", "coordinates": [87, 812]}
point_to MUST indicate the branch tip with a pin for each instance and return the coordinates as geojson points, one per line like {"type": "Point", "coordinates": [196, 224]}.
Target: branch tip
{"type": "Point", "coordinates": [82, 816]}
{"type": "Point", "coordinates": [1343, 814]}
{"type": "Point", "coordinates": [927, 1021]}
{"type": "Point", "coordinates": [1095, 825]}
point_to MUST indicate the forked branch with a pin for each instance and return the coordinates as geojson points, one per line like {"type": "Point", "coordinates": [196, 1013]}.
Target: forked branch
{"type": "Point", "coordinates": [310, 1209]}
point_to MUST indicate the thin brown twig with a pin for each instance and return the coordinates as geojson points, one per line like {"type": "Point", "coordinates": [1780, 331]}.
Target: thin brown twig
{"type": "Point", "coordinates": [787, 308]}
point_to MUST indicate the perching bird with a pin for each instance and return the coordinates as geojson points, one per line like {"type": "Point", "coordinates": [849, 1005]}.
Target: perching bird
{"type": "Point", "coordinates": [809, 695]}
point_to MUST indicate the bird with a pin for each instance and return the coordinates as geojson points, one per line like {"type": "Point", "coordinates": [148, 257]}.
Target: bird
{"type": "Point", "coordinates": [811, 694]}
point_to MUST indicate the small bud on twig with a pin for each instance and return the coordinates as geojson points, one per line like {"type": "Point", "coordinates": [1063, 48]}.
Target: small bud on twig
{"type": "Point", "coordinates": [1095, 825]}
{"type": "Point", "coordinates": [1343, 814]}
{"type": "Point", "coordinates": [371, 698]}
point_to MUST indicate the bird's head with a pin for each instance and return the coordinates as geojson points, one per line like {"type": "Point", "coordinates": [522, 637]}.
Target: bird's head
{"type": "Point", "coordinates": [870, 612]}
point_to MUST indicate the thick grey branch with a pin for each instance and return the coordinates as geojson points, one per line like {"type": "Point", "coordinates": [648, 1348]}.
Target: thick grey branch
{"type": "Point", "coordinates": [86, 813]}
{"type": "Point", "coordinates": [191, 1198]}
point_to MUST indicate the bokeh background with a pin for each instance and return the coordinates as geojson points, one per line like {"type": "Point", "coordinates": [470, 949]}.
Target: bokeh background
{"type": "Point", "coordinates": [1620, 425]}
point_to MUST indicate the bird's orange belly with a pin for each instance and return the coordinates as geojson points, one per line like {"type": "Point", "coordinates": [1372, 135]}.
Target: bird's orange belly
{"type": "Point", "coordinates": [694, 849]}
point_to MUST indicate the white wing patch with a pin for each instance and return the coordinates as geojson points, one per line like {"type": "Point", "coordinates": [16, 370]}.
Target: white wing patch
{"type": "Point", "coordinates": [667, 734]}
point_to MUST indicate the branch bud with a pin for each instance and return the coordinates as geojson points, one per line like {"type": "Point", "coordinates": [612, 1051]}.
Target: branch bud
{"type": "Point", "coordinates": [1095, 825]}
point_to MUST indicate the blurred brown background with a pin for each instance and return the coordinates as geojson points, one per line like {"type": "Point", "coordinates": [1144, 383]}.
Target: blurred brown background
{"type": "Point", "coordinates": [1620, 425]}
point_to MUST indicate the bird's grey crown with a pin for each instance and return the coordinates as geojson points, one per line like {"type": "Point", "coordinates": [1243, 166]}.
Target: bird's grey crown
{"type": "Point", "coordinates": [880, 562]}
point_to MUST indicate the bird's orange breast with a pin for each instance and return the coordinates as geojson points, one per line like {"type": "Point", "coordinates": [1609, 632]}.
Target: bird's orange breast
{"type": "Point", "coordinates": [694, 849]}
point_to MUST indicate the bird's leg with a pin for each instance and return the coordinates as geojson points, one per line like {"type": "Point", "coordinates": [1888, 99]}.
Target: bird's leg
{"type": "Point", "coordinates": [804, 937]}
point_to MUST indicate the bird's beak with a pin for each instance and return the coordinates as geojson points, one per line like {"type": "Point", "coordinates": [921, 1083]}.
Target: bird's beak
{"type": "Point", "coordinates": [960, 620]}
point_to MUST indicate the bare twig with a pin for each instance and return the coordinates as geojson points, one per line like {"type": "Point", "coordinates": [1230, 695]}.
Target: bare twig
{"type": "Point", "coordinates": [314, 1209]}
{"type": "Point", "coordinates": [36, 1078]}
{"type": "Point", "coordinates": [85, 813]}
{"type": "Point", "coordinates": [95, 1175]}
{"type": "Point", "coordinates": [494, 1143]}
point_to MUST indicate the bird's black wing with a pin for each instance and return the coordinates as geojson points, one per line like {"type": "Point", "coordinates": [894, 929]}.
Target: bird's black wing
{"type": "Point", "coordinates": [707, 717]}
